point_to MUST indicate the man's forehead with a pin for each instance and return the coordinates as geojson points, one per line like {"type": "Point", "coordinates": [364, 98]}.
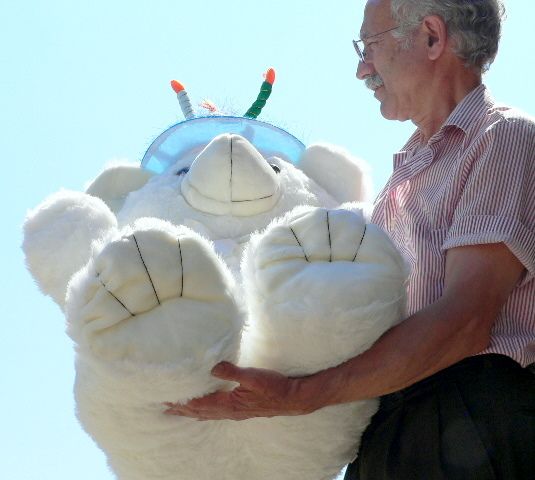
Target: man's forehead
{"type": "Point", "coordinates": [377, 14]}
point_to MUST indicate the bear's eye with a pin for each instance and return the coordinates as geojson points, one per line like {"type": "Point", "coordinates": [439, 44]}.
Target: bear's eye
{"type": "Point", "coordinates": [276, 168]}
{"type": "Point", "coordinates": [183, 171]}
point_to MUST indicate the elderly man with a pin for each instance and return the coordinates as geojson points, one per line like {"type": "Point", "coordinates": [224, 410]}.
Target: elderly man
{"type": "Point", "coordinates": [456, 402]}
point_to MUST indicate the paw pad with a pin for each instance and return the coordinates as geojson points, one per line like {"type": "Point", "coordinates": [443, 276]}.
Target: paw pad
{"type": "Point", "coordinates": [144, 268]}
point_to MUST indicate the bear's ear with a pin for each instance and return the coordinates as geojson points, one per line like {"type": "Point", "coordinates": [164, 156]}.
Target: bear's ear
{"type": "Point", "coordinates": [343, 176]}
{"type": "Point", "coordinates": [116, 182]}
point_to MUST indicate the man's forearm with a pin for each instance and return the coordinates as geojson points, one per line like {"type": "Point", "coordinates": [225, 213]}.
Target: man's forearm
{"type": "Point", "coordinates": [478, 281]}
{"type": "Point", "coordinates": [423, 344]}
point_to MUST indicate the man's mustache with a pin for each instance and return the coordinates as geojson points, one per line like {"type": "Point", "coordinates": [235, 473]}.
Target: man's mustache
{"type": "Point", "coordinates": [373, 82]}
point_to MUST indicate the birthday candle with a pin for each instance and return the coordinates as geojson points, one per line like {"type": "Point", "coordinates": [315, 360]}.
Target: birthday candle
{"type": "Point", "coordinates": [183, 99]}
{"type": "Point", "coordinates": [265, 92]}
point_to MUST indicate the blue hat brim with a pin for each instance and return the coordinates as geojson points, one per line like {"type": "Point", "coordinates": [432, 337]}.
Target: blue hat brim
{"type": "Point", "coordinates": [188, 138]}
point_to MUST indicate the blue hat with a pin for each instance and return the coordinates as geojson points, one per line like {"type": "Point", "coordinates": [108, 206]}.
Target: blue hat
{"type": "Point", "coordinates": [188, 139]}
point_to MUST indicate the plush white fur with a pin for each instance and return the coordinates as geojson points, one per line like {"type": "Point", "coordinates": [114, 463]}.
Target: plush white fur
{"type": "Point", "coordinates": [58, 235]}
{"type": "Point", "coordinates": [156, 297]}
{"type": "Point", "coordinates": [355, 186]}
{"type": "Point", "coordinates": [115, 183]}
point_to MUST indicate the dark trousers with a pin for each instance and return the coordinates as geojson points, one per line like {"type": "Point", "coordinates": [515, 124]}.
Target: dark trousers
{"type": "Point", "coordinates": [472, 421]}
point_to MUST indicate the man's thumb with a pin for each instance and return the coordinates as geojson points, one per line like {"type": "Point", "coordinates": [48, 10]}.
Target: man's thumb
{"type": "Point", "coordinates": [226, 371]}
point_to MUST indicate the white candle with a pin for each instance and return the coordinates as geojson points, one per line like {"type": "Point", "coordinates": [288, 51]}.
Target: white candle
{"type": "Point", "coordinates": [183, 99]}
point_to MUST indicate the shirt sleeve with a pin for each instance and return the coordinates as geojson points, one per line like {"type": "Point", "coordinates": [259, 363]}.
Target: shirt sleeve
{"type": "Point", "coordinates": [497, 203]}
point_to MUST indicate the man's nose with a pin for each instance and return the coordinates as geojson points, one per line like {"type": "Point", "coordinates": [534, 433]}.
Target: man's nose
{"type": "Point", "coordinates": [365, 70]}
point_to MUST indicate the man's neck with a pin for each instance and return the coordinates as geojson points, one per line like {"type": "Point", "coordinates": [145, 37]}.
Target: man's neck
{"type": "Point", "coordinates": [445, 92]}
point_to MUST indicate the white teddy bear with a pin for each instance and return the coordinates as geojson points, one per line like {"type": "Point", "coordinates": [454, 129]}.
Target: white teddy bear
{"type": "Point", "coordinates": [224, 255]}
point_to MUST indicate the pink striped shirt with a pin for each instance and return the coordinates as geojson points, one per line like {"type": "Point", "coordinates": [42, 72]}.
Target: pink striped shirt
{"type": "Point", "coordinates": [472, 183]}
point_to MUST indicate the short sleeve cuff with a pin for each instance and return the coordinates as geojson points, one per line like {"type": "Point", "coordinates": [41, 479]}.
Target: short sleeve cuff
{"type": "Point", "coordinates": [485, 229]}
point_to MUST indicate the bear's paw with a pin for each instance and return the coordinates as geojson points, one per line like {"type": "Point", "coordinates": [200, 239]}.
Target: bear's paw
{"type": "Point", "coordinates": [323, 285]}
{"type": "Point", "coordinates": [157, 294]}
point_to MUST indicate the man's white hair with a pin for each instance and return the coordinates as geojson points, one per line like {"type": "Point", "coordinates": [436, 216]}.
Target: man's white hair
{"type": "Point", "coordinates": [474, 25]}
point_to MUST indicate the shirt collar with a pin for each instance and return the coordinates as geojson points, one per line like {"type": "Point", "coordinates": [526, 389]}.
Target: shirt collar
{"type": "Point", "coordinates": [472, 107]}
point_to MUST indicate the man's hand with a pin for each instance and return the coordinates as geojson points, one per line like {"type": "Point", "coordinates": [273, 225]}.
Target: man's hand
{"type": "Point", "coordinates": [261, 393]}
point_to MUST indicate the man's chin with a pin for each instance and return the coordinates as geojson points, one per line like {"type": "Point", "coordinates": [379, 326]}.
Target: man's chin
{"type": "Point", "coordinates": [390, 113]}
{"type": "Point", "coordinates": [387, 112]}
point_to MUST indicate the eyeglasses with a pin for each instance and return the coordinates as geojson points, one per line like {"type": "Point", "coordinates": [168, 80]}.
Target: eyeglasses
{"type": "Point", "coordinates": [361, 51]}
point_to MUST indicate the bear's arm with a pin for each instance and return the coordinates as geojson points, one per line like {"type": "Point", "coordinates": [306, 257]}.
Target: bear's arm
{"type": "Point", "coordinates": [58, 235]}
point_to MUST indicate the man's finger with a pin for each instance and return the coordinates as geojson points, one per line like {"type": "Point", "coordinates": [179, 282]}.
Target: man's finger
{"type": "Point", "coordinates": [229, 371]}
{"type": "Point", "coordinates": [246, 377]}
{"type": "Point", "coordinates": [223, 370]}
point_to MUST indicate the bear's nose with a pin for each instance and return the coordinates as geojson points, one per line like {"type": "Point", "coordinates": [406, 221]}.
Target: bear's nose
{"type": "Point", "coordinates": [231, 177]}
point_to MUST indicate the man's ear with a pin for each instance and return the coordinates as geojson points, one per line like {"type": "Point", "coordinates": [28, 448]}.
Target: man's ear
{"type": "Point", "coordinates": [436, 31]}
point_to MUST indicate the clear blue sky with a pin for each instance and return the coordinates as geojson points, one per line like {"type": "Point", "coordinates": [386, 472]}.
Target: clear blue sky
{"type": "Point", "coordinates": [86, 81]}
